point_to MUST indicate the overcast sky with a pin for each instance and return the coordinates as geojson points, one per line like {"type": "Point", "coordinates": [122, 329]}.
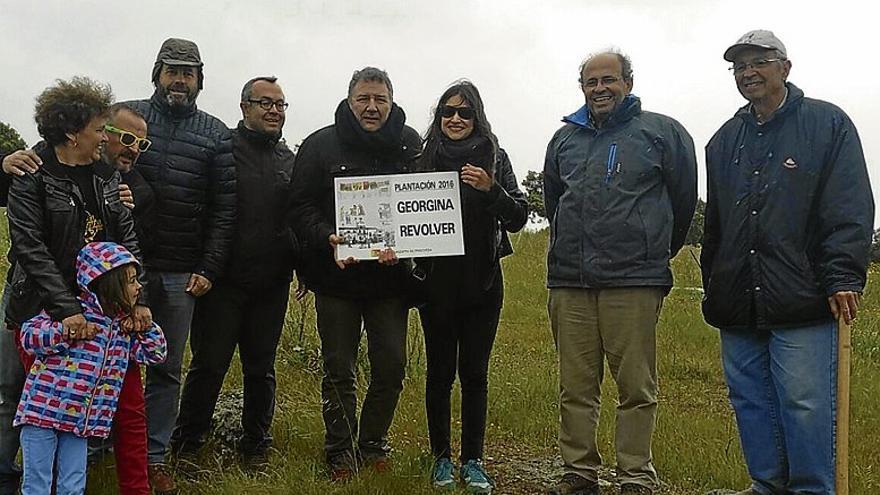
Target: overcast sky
{"type": "Point", "coordinates": [522, 55]}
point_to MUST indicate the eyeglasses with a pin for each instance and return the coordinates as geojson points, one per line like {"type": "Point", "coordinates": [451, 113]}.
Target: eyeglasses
{"type": "Point", "coordinates": [129, 139]}
{"type": "Point", "coordinates": [606, 81]}
{"type": "Point", "coordinates": [755, 64]}
{"type": "Point", "coordinates": [464, 113]}
{"type": "Point", "coordinates": [267, 104]}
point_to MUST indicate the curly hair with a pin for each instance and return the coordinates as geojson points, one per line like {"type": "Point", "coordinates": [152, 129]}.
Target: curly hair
{"type": "Point", "coordinates": [68, 106]}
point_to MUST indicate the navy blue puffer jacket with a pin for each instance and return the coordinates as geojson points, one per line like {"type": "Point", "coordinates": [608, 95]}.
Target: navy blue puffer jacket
{"type": "Point", "coordinates": [191, 170]}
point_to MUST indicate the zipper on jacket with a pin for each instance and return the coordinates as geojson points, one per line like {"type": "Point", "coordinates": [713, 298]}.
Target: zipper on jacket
{"type": "Point", "coordinates": [98, 380]}
{"type": "Point", "coordinates": [609, 166]}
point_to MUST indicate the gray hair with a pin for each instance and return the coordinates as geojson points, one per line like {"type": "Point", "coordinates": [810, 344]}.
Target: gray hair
{"type": "Point", "coordinates": [626, 68]}
{"type": "Point", "coordinates": [248, 88]}
{"type": "Point", "coordinates": [370, 74]}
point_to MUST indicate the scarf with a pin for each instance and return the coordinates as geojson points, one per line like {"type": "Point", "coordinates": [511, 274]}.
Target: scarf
{"type": "Point", "coordinates": [385, 140]}
{"type": "Point", "coordinates": [476, 150]}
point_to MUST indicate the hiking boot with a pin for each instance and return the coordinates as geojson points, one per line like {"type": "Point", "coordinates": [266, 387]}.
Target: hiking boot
{"type": "Point", "coordinates": [254, 462]}
{"type": "Point", "coordinates": [342, 467]}
{"type": "Point", "coordinates": [635, 489]}
{"type": "Point", "coordinates": [573, 484]}
{"type": "Point", "coordinates": [442, 475]}
{"type": "Point", "coordinates": [162, 479]}
{"type": "Point", "coordinates": [380, 463]}
{"type": "Point", "coordinates": [474, 477]}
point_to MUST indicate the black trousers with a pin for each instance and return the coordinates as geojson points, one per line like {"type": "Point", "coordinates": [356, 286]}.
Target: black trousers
{"type": "Point", "coordinates": [229, 316]}
{"type": "Point", "coordinates": [459, 335]}
{"type": "Point", "coordinates": [340, 324]}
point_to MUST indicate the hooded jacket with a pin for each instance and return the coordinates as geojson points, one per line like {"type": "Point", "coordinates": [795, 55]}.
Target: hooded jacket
{"type": "Point", "coordinates": [191, 170]}
{"type": "Point", "coordinates": [619, 198]}
{"type": "Point", "coordinates": [789, 216]}
{"type": "Point", "coordinates": [74, 386]}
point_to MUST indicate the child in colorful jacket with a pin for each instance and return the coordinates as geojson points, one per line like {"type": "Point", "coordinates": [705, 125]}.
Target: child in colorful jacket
{"type": "Point", "coordinates": [72, 389]}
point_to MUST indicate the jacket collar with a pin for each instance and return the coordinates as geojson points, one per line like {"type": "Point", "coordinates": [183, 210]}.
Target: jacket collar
{"type": "Point", "coordinates": [628, 108]}
{"type": "Point", "coordinates": [792, 101]}
{"type": "Point", "coordinates": [257, 138]}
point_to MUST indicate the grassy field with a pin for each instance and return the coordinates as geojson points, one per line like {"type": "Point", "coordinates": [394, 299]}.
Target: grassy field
{"type": "Point", "coordinates": [695, 446]}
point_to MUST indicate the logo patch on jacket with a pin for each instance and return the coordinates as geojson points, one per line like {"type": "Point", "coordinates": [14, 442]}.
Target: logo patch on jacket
{"type": "Point", "coordinates": [790, 163]}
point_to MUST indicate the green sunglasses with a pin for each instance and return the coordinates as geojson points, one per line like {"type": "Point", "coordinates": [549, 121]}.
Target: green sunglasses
{"type": "Point", "coordinates": [129, 139]}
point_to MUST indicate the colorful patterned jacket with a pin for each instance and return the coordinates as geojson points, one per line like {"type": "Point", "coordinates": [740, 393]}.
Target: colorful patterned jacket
{"type": "Point", "coordinates": [74, 386]}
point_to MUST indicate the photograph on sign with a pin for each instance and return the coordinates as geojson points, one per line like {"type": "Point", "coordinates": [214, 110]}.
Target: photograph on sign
{"type": "Point", "coordinates": [417, 215]}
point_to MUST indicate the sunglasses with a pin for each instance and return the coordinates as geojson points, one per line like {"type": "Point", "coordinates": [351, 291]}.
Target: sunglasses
{"type": "Point", "coordinates": [128, 139]}
{"type": "Point", "coordinates": [465, 113]}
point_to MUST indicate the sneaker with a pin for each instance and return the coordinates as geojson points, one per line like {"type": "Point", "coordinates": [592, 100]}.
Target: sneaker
{"type": "Point", "coordinates": [572, 484]}
{"type": "Point", "coordinates": [161, 479]}
{"type": "Point", "coordinates": [635, 489]}
{"type": "Point", "coordinates": [442, 476]}
{"type": "Point", "coordinates": [474, 477]}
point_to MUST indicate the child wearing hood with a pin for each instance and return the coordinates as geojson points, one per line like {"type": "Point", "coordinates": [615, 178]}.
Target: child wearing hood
{"type": "Point", "coordinates": [72, 389]}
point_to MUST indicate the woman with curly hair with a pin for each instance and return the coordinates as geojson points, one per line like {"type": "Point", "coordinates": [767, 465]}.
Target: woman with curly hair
{"type": "Point", "coordinates": [71, 200]}
{"type": "Point", "coordinates": [464, 293]}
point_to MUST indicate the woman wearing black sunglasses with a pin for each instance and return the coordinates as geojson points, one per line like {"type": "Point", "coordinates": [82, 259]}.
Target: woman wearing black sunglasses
{"type": "Point", "coordinates": [464, 293]}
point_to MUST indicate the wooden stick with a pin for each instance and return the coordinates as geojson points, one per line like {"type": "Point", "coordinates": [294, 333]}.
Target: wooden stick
{"type": "Point", "coordinates": [841, 439]}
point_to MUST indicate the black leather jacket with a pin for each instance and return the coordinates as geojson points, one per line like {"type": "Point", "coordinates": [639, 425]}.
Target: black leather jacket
{"type": "Point", "coordinates": [47, 226]}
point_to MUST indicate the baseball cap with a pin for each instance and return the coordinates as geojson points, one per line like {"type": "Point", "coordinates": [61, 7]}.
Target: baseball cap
{"type": "Point", "coordinates": [758, 38]}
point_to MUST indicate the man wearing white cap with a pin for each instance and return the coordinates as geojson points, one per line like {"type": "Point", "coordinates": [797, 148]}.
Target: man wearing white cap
{"type": "Point", "coordinates": [789, 218]}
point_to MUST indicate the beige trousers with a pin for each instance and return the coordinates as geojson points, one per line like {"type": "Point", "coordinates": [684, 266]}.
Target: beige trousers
{"type": "Point", "coordinates": [590, 325]}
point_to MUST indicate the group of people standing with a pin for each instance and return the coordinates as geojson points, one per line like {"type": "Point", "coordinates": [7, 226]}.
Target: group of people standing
{"type": "Point", "coordinates": [219, 219]}
{"type": "Point", "coordinates": [206, 226]}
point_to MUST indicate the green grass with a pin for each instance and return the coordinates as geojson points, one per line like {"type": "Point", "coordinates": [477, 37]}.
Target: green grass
{"type": "Point", "coordinates": [696, 447]}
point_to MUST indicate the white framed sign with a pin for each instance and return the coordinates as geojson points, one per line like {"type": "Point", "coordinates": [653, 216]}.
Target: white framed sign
{"type": "Point", "coordinates": [417, 215]}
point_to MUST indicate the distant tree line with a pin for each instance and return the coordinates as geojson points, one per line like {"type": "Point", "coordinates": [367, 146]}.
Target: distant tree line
{"type": "Point", "coordinates": [10, 139]}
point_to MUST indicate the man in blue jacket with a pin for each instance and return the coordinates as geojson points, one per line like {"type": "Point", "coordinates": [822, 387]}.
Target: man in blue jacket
{"type": "Point", "coordinates": [620, 190]}
{"type": "Point", "coordinates": [789, 219]}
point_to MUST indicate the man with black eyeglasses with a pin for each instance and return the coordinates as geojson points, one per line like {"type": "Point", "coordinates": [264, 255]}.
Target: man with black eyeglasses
{"type": "Point", "coordinates": [247, 305]}
{"type": "Point", "coordinates": [620, 187]}
{"type": "Point", "coordinates": [789, 221]}
{"type": "Point", "coordinates": [190, 168]}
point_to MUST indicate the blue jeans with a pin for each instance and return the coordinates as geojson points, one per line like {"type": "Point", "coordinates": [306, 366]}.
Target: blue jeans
{"type": "Point", "coordinates": [783, 386]}
{"type": "Point", "coordinates": [44, 449]}
{"type": "Point", "coordinates": [12, 377]}
{"type": "Point", "coordinates": [172, 309]}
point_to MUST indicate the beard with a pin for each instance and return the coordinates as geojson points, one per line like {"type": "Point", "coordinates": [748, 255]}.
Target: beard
{"type": "Point", "coordinates": [177, 100]}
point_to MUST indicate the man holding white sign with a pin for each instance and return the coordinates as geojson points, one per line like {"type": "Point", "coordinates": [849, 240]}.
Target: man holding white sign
{"type": "Point", "coordinates": [369, 137]}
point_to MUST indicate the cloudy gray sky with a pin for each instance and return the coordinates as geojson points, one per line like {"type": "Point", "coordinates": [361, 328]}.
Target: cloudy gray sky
{"type": "Point", "coordinates": [523, 56]}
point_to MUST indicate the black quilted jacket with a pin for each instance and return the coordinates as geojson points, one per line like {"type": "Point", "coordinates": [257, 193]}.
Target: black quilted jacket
{"type": "Point", "coordinates": [191, 170]}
